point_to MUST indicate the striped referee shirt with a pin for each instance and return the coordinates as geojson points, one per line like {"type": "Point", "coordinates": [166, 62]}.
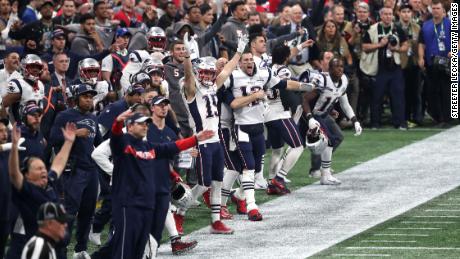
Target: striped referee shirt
{"type": "Point", "coordinates": [39, 247]}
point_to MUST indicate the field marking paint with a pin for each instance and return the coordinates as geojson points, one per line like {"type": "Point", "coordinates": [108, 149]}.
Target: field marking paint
{"type": "Point", "coordinates": [401, 248]}
{"type": "Point", "coordinates": [402, 235]}
{"type": "Point", "coordinates": [438, 216]}
{"type": "Point", "coordinates": [388, 241]}
{"type": "Point", "coordinates": [415, 228]}
{"type": "Point", "coordinates": [428, 222]}
{"type": "Point", "coordinates": [361, 255]}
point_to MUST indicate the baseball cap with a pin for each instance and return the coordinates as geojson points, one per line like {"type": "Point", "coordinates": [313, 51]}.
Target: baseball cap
{"type": "Point", "coordinates": [58, 33]}
{"type": "Point", "coordinates": [52, 210]}
{"type": "Point", "coordinates": [46, 2]}
{"type": "Point", "coordinates": [138, 118]}
{"type": "Point", "coordinates": [83, 89]}
{"type": "Point", "coordinates": [31, 108]}
{"type": "Point", "coordinates": [159, 99]}
{"type": "Point", "coordinates": [135, 89]}
{"type": "Point", "coordinates": [405, 5]}
{"type": "Point", "coordinates": [122, 32]}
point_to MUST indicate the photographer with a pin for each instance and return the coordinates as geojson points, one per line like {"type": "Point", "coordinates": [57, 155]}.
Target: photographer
{"type": "Point", "coordinates": [382, 45]}
{"type": "Point", "coordinates": [434, 55]}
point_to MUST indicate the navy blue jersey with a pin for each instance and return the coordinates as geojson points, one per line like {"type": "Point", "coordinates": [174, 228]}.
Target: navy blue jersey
{"type": "Point", "coordinates": [34, 142]}
{"type": "Point", "coordinates": [5, 186]}
{"type": "Point", "coordinates": [110, 113]}
{"type": "Point", "coordinates": [29, 199]}
{"type": "Point", "coordinates": [82, 147]}
{"type": "Point", "coordinates": [155, 135]}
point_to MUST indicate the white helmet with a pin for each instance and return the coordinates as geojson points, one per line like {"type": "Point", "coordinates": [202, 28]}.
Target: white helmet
{"type": "Point", "coordinates": [316, 140]}
{"type": "Point", "coordinates": [29, 64]}
{"type": "Point", "coordinates": [140, 78]}
{"type": "Point", "coordinates": [89, 70]}
{"type": "Point", "coordinates": [138, 56]}
{"type": "Point", "coordinates": [151, 248]}
{"type": "Point", "coordinates": [151, 65]}
{"type": "Point", "coordinates": [205, 70]}
{"type": "Point", "coordinates": [156, 39]}
{"type": "Point", "coordinates": [181, 195]}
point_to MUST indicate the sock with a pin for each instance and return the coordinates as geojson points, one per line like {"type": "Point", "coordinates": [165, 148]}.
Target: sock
{"type": "Point", "coordinates": [274, 161]}
{"type": "Point", "coordinates": [290, 159]}
{"type": "Point", "coordinates": [262, 163]}
{"type": "Point", "coordinates": [215, 200]}
{"type": "Point", "coordinates": [198, 190]}
{"type": "Point", "coordinates": [248, 185]}
{"type": "Point", "coordinates": [229, 178]}
{"type": "Point", "coordinates": [239, 193]}
{"type": "Point", "coordinates": [326, 161]}
{"type": "Point", "coordinates": [170, 225]}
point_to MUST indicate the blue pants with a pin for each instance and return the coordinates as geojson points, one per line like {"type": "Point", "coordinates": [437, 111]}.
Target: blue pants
{"type": "Point", "coordinates": [159, 215]}
{"type": "Point", "coordinates": [232, 159]}
{"type": "Point", "coordinates": [132, 228]}
{"type": "Point", "coordinates": [393, 82]}
{"type": "Point", "coordinates": [17, 243]}
{"type": "Point", "coordinates": [80, 196]}
{"type": "Point", "coordinates": [251, 152]}
{"type": "Point", "coordinates": [210, 163]}
{"type": "Point", "coordinates": [283, 131]}
{"type": "Point", "coordinates": [104, 214]}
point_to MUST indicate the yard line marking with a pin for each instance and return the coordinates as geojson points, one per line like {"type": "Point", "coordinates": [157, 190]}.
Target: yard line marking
{"type": "Point", "coordinates": [401, 248]}
{"type": "Point", "coordinates": [388, 241]}
{"type": "Point", "coordinates": [361, 255]}
{"type": "Point", "coordinates": [417, 228]}
{"type": "Point", "coordinates": [442, 210]}
{"type": "Point", "coordinates": [440, 216]}
{"type": "Point", "coordinates": [428, 222]}
{"type": "Point", "coordinates": [406, 235]}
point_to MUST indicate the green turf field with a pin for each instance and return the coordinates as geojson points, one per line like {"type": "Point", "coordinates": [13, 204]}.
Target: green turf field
{"type": "Point", "coordinates": [354, 150]}
{"type": "Point", "coordinates": [431, 230]}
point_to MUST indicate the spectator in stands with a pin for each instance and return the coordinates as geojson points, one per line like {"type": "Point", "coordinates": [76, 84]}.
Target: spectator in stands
{"type": "Point", "coordinates": [30, 14]}
{"type": "Point", "coordinates": [10, 71]}
{"type": "Point", "coordinates": [127, 15]}
{"type": "Point", "coordinates": [87, 41]}
{"type": "Point", "coordinates": [383, 43]}
{"type": "Point", "coordinates": [253, 18]}
{"type": "Point", "coordinates": [235, 26]}
{"type": "Point", "coordinates": [169, 17]}
{"type": "Point", "coordinates": [69, 14]}
{"type": "Point", "coordinates": [434, 57]}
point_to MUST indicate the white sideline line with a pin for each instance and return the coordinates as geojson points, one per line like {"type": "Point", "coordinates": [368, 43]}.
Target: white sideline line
{"type": "Point", "coordinates": [400, 248]}
{"type": "Point", "coordinates": [428, 222]}
{"type": "Point", "coordinates": [441, 210]}
{"type": "Point", "coordinates": [403, 235]}
{"type": "Point", "coordinates": [440, 216]}
{"type": "Point", "coordinates": [417, 228]}
{"type": "Point", "coordinates": [388, 241]}
{"type": "Point", "coordinates": [361, 255]}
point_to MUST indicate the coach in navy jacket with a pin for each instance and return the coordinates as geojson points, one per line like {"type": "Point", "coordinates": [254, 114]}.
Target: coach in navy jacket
{"type": "Point", "coordinates": [134, 185]}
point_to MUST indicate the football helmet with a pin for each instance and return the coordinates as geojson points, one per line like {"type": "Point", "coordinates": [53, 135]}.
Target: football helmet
{"type": "Point", "coordinates": [182, 195]}
{"type": "Point", "coordinates": [316, 140]}
{"type": "Point", "coordinates": [205, 70]}
{"type": "Point", "coordinates": [156, 39]}
{"type": "Point", "coordinates": [89, 70]}
{"type": "Point", "coordinates": [140, 78]}
{"type": "Point", "coordinates": [153, 65]}
{"type": "Point", "coordinates": [32, 67]}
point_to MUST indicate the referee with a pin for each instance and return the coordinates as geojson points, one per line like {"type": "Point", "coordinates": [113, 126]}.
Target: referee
{"type": "Point", "coordinates": [52, 221]}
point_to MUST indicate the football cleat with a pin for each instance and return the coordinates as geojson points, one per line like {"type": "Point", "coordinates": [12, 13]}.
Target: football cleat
{"type": "Point", "coordinates": [179, 247]}
{"type": "Point", "coordinates": [179, 219]}
{"type": "Point", "coordinates": [259, 182]}
{"type": "Point", "coordinates": [329, 180]}
{"type": "Point", "coordinates": [275, 190]}
{"type": "Point", "coordinates": [206, 198]}
{"type": "Point", "coordinates": [95, 238]}
{"type": "Point", "coordinates": [240, 205]}
{"type": "Point", "coordinates": [81, 255]}
{"type": "Point", "coordinates": [219, 227]}
{"type": "Point", "coordinates": [254, 215]}
{"type": "Point", "coordinates": [281, 185]}
{"type": "Point", "coordinates": [224, 213]}
{"type": "Point", "coordinates": [315, 173]}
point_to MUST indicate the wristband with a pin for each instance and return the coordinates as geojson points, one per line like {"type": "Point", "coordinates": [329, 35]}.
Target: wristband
{"type": "Point", "coordinates": [354, 119]}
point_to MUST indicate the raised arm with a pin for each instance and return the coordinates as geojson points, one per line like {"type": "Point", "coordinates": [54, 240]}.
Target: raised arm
{"type": "Point", "coordinates": [16, 176]}
{"type": "Point", "coordinates": [231, 65]}
{"type": "Point", "coordinates": [60, 161]}
{"type": "Point", "coordinates": [189, 77]}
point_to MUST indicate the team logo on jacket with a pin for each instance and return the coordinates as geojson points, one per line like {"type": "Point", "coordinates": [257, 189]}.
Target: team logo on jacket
{"type": "Point", "coordinates": [145, 155]}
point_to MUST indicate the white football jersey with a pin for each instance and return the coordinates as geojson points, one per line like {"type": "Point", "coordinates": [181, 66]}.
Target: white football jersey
{"type": "Point", "coordinates": [28, 92]}
{"type": "Point", "coordinates": [276, 110]}
{"type": "Point", "coordinates": [329, 92]}
{"type": "Point", "coordinates": [203, 112]}
{"type": "Point", "coordinates": [264, 61]}
{"type": "Point", "coordinates": [244, 85]}
{"type": "Point", "coordinates": [102, 88]}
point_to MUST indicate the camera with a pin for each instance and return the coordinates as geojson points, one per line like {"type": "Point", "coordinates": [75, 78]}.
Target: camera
{"type": "Point", "coordinates": [392, 40]}
{"type": "Point", "coordinates": [364, 26]}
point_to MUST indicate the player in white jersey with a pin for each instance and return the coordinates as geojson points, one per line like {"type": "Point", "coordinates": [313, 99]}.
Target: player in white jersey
{"type": "Point", "coordinates": [248, 84]}
{"type": "Point", "coordinates": [281, 128]}
{"type": "Point", "coordinates": [154, 68]}
{"type": "Point", "coordinates": [331, 88]}
{"type": "Point", "coordinates": [21, 91]}
{"type": "Point", "coordinates": [200, 85]}
{"type": "Point", "coordinates": [90, 71]}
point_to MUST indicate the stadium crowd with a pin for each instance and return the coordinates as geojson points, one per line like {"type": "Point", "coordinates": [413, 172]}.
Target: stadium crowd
{"type": "Point", "coordinates": [112, 101]}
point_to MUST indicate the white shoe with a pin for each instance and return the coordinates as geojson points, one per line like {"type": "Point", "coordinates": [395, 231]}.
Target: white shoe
{"type": "Point", "coordinates": [315, 173]}
{"type": "Point", "coordinates": [81, 255]}
{"type": "Point", "coordinates": [195, 204]}
{"type": "Point", "coordinates": [259, 182]}
{"type": "Point", "coordinates": [95, 238]}
{"type": "Point", "coordinates": [329, 180]}
{"type": "Point", "coordinates": [286, 180]}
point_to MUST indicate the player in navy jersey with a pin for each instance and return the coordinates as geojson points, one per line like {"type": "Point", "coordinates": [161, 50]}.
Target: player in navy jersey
{"type": "Point", "coordinates": [331, 88]}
